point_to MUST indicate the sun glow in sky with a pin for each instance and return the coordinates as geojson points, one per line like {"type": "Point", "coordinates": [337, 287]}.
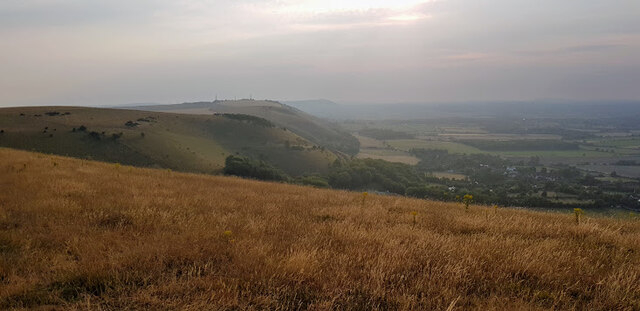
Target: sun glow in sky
{"type": "Point", "coordinates": [318, 6]}
{"type": "Point", "coordinates": [111, 52]}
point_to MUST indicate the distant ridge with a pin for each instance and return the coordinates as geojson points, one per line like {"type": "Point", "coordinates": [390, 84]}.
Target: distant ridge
{"type": "Point", "coordinates": [192, 143]}
{"type": "Point", "coordinates": [314, 129]}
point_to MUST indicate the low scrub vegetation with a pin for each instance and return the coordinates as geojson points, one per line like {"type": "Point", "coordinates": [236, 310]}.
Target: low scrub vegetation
{"type": "Point", "coordinates": [247, 167]}
{"type": "Point", "coordinates": [247, 118]}
{"type": "Point", "coordinates": [76, 234]}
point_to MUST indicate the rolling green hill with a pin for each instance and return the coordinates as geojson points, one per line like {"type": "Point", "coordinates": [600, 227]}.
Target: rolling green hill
{"type": "Point", "coordinates": [315, 130]}
{"type": "Point", "coordinates": [194, 143]}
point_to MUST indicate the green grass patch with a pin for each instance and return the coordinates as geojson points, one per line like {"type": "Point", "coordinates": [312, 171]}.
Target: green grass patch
{"type": "Point", "coordinates": [451, 147]}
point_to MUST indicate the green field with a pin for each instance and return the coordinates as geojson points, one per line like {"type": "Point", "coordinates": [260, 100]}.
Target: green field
{"type": "Point", "coordinates": [626, 143]}
{"type": "Point", "coordinates": [452, 147]}
{"type": "Point", "coordinates": [377, 149]}
{"type": "Point", "coordinates": [499, 137]}
{"type": "Point", "coordinates": [582, 153]}
{"type": "Point", "coordinates": [388, 155]}
{"type": "Point", "coordinates": [459, 148]}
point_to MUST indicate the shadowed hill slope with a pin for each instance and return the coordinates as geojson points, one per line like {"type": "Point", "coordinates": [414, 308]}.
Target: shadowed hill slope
{"type": "Point", "coordinates": [194, 143]}
{"type": "Point", "coordinates": [77, 234]}
{"type": "Point", "coordinates": [309, 127]}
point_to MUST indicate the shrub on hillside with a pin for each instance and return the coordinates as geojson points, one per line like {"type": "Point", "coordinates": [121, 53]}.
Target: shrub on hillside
{"type": "Point", "coordinates": [247, 118]}
{"type": "Point", "coordinates": [372, 174]}
{"type": "Point", "coordinates": [94, 135]}
{"type": "Point", "coordinates": [315, 180]}
{"type": "Point", "coordinates": [246, 167]}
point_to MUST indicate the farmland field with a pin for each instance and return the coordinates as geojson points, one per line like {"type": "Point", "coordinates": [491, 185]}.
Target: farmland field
{"type": "Point", "coordinates": [499, 137]}
{"type": "Point", "coordinates": [452, 147]}
{"type": "Point", "coordinates": [376, 149]}
{"type": "Point", "coordinates": [629, 171]}
{"type": "Point", "coordinates": [387, 155]}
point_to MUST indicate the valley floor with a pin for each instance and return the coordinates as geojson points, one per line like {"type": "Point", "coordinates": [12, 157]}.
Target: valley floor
{"type": "Point", "coordinates": [77, 234]}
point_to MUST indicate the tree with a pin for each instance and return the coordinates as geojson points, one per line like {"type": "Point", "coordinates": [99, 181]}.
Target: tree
{"type": "Point", "coordinates": [246, 167]}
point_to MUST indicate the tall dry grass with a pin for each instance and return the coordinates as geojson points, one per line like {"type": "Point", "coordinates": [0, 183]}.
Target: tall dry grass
{"type": "Point", "coordinates": [85, 235]}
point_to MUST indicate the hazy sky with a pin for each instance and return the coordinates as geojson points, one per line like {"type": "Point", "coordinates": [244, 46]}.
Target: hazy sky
{"type": "Point", "coordinates": [90, 52]}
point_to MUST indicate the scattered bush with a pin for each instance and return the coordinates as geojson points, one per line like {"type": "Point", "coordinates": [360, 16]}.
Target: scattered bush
{"type": "Point", "coordinates": [246, 167]}
{"type": "Point", "coordinates": [521, 145]}
{"type": "Point", "coordinates": [364, 174]}
{"type": "Point", "coordinates": [247, 118]}
{"type": "Point", "coordinates": [315, 180]}
{"type": "Point", "coordinates": [94, 135]}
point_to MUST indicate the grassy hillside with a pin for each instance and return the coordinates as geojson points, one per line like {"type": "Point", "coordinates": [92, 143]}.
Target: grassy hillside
{"type": "Point", "coordinates": [311, 128]}
{"type": "Point", "coordinates": [195, 143]}
{"type": "Point", "coordinates": [76, 234]}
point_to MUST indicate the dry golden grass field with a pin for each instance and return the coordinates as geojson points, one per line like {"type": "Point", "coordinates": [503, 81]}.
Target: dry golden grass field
{"type": "Point", "coordinates": [78, 235]}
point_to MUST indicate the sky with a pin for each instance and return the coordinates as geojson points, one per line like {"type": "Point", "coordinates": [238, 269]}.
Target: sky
{"type": "Point", "coordinates": [112, 52]}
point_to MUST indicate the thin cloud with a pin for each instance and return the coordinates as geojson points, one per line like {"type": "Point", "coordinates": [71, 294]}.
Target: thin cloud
{"type": "Point", "coordinates": [591, 48]}
{"type": "Point", "coordinates": [119, 51]}
{"type": "Point", "coordinates": [574, 49]}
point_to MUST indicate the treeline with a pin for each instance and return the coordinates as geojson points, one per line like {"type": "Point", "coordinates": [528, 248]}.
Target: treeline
{"type": "Point", "coordinates": [246, 167]}
{"type": "Point", "coordinates": [516, 127]}
{"type": "Point", "coordinates": [522, 145]}
{"type": "Point", "coordinates": [372, 174]}
{"type": "Point", "coordinates": [433, 160]}
{"type": "Point", "coordinates": [247, 118]}
{"type": "Point", "coordinates": [356, 174]}
{"type": "Point", "coordinates": [491, 180]}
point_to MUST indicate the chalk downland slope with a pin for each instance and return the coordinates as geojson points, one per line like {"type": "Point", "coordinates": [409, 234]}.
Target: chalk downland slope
{"type": "Point", "coordinates": [77, 234]}
{"type": "Point", "coordinates": [313, 129]}
{"type": "Point", "coordinates": [193, 143]}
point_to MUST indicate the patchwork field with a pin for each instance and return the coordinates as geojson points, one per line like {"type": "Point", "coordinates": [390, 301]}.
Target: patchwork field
{"type": "Point", "coordinates": [388, 155]}
{"type": "Point", "coordinates": [452, 147]}
{"type": "Point", "coordinates": [500, 137]}
{"type": "Point", "coordinates": [77, 234]}
{"type": "Point", "coordinates": [553, 141]}
{"type": "Point", "coordinates": [376, 149]}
